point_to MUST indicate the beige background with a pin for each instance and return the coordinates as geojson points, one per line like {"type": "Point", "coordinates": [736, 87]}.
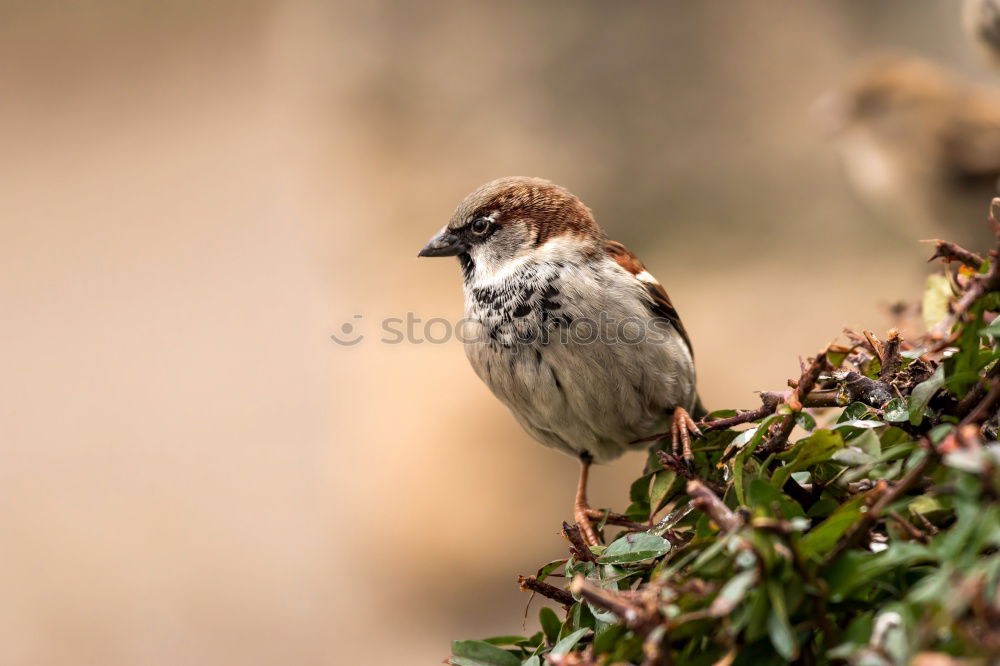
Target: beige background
{"type": "Point", "coordinates": [194, 196]}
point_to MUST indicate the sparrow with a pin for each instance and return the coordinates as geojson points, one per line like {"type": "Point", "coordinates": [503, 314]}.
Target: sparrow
{"type": "Point", "coordinates": [917, 143]}
{"type": "Point", "coordinates": [567, 328]}
{"type": "Point", "coordinates": [982, 22]}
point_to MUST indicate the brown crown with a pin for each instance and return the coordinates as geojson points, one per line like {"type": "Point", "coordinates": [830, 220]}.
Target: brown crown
{"type": "Point", "coordinates": [550, 209]}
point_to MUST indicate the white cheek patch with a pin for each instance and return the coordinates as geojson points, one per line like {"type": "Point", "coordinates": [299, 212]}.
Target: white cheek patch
{"type": "Point", "coordinates": [560, 248]}
{"type": "Point", "coordinates": [491, 268]}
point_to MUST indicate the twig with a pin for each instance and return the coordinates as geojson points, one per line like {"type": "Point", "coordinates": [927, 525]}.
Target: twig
{"type": "Point", "coordinates": [705, 500]}
{"type": "Point", "coordinates": [977, 392]}
{"type": "Point", "coordinates": [541, 587]}
{"type": "Point", "coordinates": [633, 615]}
{"type": "Point", "coordinates": [875, 343]}
{"type": "Point", "coordinates": [890, 356]}
{"type": "Point", "coordinates": [949, 252]}
{"type": "Point", "coordinates": [910, 528]}
{"type": "Point", "coordinates": [984, 409]}
{"type": "Point", "coordinates": [612, 518]}
{"type": "Point", "coordinates": [928, 525]}
{"type": "Point", "coordinates": [771, 402]}
{"type": "Point", "coordinates": [806, 383]}
{"type": "Point", "coordinates": [578, 546]}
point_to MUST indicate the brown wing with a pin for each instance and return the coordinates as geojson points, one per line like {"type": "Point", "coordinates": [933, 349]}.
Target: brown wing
{"type": "Point", "coordinates": [661, 305]}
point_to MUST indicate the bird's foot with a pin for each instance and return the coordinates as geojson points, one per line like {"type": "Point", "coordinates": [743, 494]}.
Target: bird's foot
{"type": "Point", "coordinates": [681, 429]}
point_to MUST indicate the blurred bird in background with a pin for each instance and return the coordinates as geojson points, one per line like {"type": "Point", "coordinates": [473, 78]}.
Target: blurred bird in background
{"type": "Point", "coordinates": [918, 144]}
{"type": "Point", "coordinates": [982, 22]}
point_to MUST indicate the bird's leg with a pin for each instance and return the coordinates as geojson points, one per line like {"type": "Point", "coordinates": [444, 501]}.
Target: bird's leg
{"type": "Point", "coordinates": [681, 429]}
{"type": "Point", "coordinates": [580, 508]}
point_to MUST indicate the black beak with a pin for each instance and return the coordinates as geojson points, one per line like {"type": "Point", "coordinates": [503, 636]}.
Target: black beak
{"type": "Point", "coordinates": [445, 244]}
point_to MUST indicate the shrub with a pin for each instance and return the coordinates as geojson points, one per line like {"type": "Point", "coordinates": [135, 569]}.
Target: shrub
{"type": "Point", "coordinates": [867, 534]}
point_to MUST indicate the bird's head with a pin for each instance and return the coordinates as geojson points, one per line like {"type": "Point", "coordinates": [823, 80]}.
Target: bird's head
{"type": "Point", "coordinates": [893, 96]}
{"type": "Point", "coordinates": [513, 221]}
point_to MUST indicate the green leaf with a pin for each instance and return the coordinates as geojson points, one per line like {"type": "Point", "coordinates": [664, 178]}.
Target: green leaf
{"type": "Point", "coordinates": [732, 593]}
{"type": "Point", "coordinates": [854, 411]}
{"type": "Point", "coordinates": [505, 640]}
{"type": "Point", "coordinates": [869, 443]}
{"type": "Point", "coordinates": [635, 547]}
{"type": "Point", "coordinates": [547, 570]}
{"type": "Point", "coordinates": [605, 640]}
{"type": "Point", "coordinates": [532, 661]}
{"type": "Point", "coordinates": [816, 448]}
{"type": "Point", "coordinates": [762, 494]}
{"type": "Point", "coordinates": [937, 294]}
{"type": "Point", "coordinates": [639, 496]}
{"type": "Point", "coordinates": [805, 420]}
{"type": "Point", "coordinates": [897, 410]}
{"type": "Point", "coordinates": [852, 457]}
{"type": "Point", "coordinates": [854, 426]}
{"type": "Point", "coordinates": [822, 538]}
{"type": "Point", "coordinates": [658, 490]}
{"type": "Point", "coordinates": [749, 440]}
{"type": "Point", "coordinates": [993, 330]}
{"type": "Point", "coordinates": [481, 653]}
{"type": "Point", "coordinates": [567, 644]}
{"type": "Point", "coordinates": [836, 357]}
{"type": "Point", "coordinates": [778, 627]}
{"type": "Point", "coordinates": [551, 624]}
{"type": "Point", "coordinates": [922, 394]}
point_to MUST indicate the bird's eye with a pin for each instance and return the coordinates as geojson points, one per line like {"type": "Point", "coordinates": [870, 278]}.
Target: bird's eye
{"type": "Point", "coordinates": [480, 225]}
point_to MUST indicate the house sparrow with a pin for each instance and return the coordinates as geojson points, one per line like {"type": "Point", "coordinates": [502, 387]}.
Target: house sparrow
{"type": "Point", "coordinates": [567, 328]}
{"type": "Point", "coordinates": [917, 143]}
{"type": "Point", "coordinates": [982, 22]}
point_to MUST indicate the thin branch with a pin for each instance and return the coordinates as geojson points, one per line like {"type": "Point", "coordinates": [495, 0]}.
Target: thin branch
{"type": "Point", "coordinates": [984, 409]}
{"type": "Point", "coordinates": [612, 518]}
{"type": "Point", "coordinates": [806, 383]}
{"type": "Point", "coordinates": [578, 546]}
{"type": "Point", "coordinates": [928, 525]}
{"type": "Point", "coordinates": [770, 404]}
{"type": "Point", "coordinates": [707, 501]}
{"type": "Point", "coordinates": [530, 583]}
{"type": "Point", "coordinates": [891, 360]}
{"type": "Point", "coordinates": [633, 615]}
{"type": "Point", "coordinates": [909, 527]}
{"type": "Point", "coordinates": [949, 252]}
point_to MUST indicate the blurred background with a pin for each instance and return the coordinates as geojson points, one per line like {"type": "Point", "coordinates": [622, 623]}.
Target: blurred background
{"type": "Point", "coordinates": [195, 196]}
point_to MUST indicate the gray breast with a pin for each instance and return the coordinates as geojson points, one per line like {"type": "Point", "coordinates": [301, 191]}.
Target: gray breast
{"type": "Point", "coordinates": [567, 348]}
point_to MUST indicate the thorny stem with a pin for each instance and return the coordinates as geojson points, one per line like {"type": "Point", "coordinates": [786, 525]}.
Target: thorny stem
{"type": "Point", "coordinates": [541, 587]}
{"type": "Point", "coordinates": [809, 377]}
{"type": "Point", "coordinates": [951, 252]}
{"type": "Point", "coordinates": [705, 500]}
{"type": "Point", "coordinates": [578, 546]}
{"type": "Point", "coordinates": [634, 616]}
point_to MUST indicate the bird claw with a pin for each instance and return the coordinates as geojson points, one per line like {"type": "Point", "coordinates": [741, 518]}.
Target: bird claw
{"type": "Point", "coordinates": [681, 429]}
